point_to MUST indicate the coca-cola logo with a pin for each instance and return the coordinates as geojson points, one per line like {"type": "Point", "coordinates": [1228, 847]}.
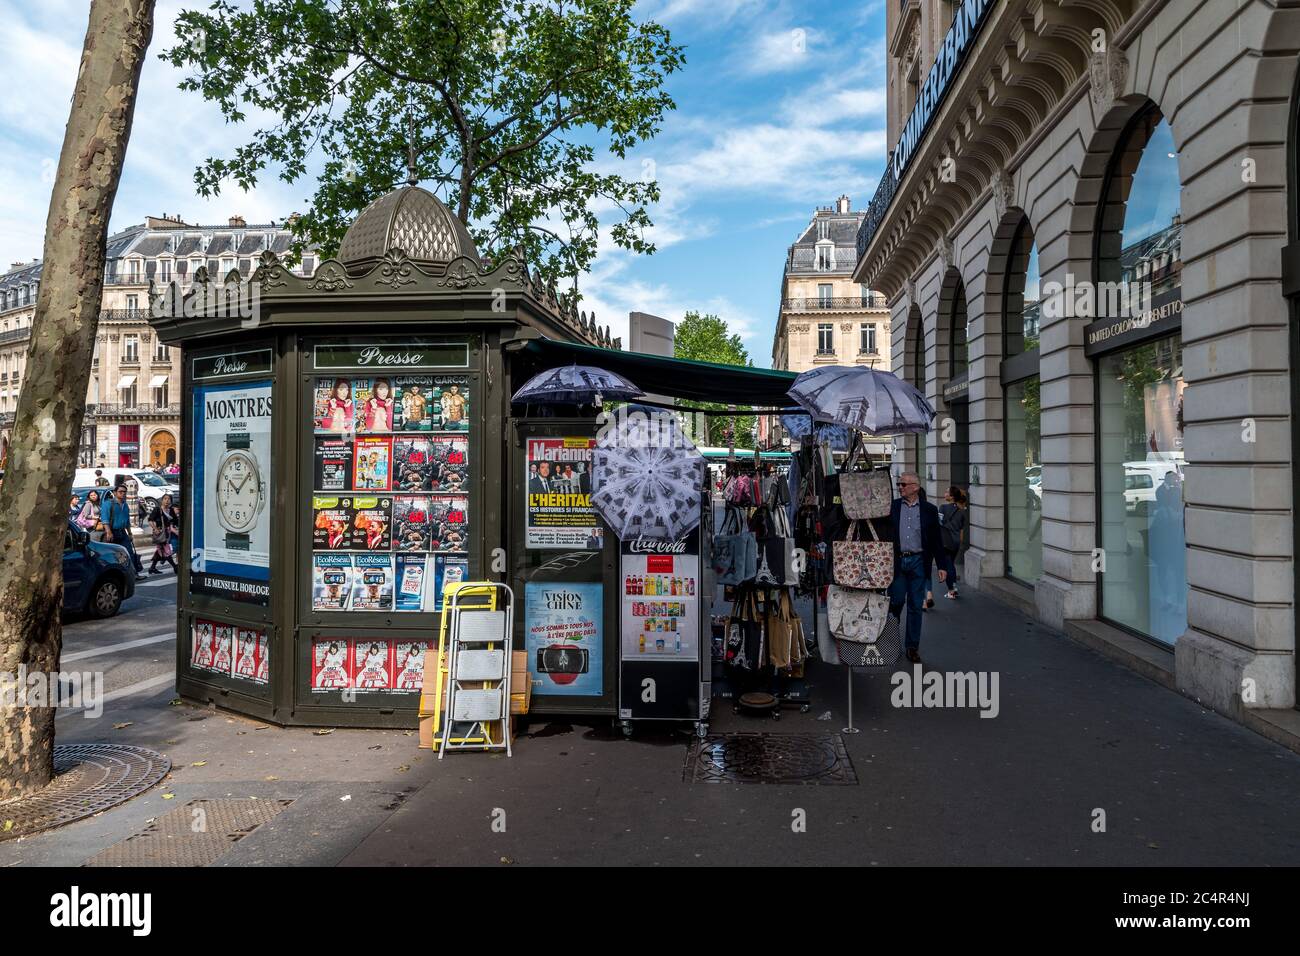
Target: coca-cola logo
{"type": "Point", "coordinates": [652, 546]}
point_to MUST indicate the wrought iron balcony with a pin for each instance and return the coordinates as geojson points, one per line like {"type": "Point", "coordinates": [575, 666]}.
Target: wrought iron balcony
{"type": "Point", "coordinates": [810, 304]}
{"type": "Point", "coordinates": [138, 410]}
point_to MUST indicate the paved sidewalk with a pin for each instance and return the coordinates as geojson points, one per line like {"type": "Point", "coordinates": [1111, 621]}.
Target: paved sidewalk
{"type": "Point", "coordinates": [1076, 732]}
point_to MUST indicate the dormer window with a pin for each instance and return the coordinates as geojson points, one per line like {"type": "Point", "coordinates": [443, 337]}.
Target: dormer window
{"type": "Point", "coordinates": [825, 256]}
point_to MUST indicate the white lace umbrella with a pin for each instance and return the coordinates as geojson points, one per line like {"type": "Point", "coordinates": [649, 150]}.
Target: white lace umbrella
{"type": "Point", "coordinates": [647, 475]}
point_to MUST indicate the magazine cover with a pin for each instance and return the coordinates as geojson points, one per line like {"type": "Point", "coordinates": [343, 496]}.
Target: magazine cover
{"type": "Point", "coordinates": [412, 530]}
{"type": "Point", "coordinates": [411, 574]}
{"type": "Point", "coordinates": [451, 462]}
{"type": "Point", "coordinates": [409, 670]}
{"type": "Point", "coordinates": [450, 399]}
{"type": "Point", "coordinates": [373, 468]}
{"type": "Point", "coordinates": [334, 407]}
{"type": "Point", "coordinates": [450, 571]}
{"type": "Point", "coordinates": [331, 523]}
{"type": "Point", "coordinates": [250, 655]}
{"type": "Point", "coordinates": [414, 467]}
{"type": "Point", "coordinates": [372, 582]}
{"type": "Point", "coordinates": [372, 667]}
{"type": "Point", "coordinates": [449, 522]}
{"type": "Point", "coordinates": [330, 665]}
{"type": "Point", "coordinates": [417, 409]}
{"type": "Point", "coordinates": [331, 582]}
{"type": "Point", "coordinates": [223, 643]}
{"type": "Point", "coordinates": [333, 465]}
{"type": "Point", "coordinates": [372, 524]}
{"type": "Point", "coordinates": [375, 405]}
{"type": "Point", "coordinates": [201, 645]}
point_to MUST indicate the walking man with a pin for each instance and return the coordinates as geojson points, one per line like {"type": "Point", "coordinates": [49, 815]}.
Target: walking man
{"type": "Point", "coordinates": [116, 515]}
{"type": "Point", "coordinates": [916, 546]}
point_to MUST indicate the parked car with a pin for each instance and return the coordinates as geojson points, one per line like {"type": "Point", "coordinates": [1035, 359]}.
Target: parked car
{"type": "Point", "coordinates": [1142, 478]}
{"type": "Point", "coordinates": [97, 577]}
{"type": "Point", "coordinates": [149, 484]}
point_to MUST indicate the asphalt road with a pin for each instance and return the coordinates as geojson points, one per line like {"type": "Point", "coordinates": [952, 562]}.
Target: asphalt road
{"type": "Point", "coordinates": [134, 651]}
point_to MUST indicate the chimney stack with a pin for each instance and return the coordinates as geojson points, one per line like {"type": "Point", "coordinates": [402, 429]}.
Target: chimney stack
{"type": "Point", "coordinates": [842, 205]}
{"type": "Point", "coordinates": [237, 222]}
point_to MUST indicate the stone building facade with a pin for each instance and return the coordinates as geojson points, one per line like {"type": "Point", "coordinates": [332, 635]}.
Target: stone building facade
{"type": "Point", "coordinates": [1081, 237]}
{"type": "Point", "coordinates": [133, 397]}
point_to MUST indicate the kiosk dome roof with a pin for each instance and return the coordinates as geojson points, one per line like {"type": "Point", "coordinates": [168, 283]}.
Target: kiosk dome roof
{"type": "Point", "coordinates": [411, 219]}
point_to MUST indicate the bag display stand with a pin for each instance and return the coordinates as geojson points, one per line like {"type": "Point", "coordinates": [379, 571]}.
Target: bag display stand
{"type": "Point", "coordinates": [478, 664]}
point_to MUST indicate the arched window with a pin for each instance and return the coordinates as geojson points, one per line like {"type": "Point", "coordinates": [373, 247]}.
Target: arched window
{"type": "Point", "coordinates": [1023, 409]}
{"type": "Point", "coordinates": [1140, 387]}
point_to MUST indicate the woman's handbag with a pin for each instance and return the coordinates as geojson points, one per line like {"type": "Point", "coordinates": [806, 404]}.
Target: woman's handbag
{"type": "Point", "coordinates": [862, 564]}
{"type": "Point", "coordinates": [866, 494]}
{"type": "Point", "coordinates": [735, 552]}
{"type": "Point", "coordinates": [856, 615]}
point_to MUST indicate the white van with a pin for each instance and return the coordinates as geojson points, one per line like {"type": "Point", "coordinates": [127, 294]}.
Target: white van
{"type": "Point", "coordinates": [148, 484]}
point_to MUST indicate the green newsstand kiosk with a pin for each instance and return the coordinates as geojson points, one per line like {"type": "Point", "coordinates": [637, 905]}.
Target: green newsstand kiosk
{"type": "Point", "coordinates": [349, 451]}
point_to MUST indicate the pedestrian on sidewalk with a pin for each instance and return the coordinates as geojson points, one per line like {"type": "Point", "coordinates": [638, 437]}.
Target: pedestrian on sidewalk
{"type": "Point", "coordinates": [116, 516]}
{"type": "Point", "coordinates": [163, 522]}
{"type": "Point", "coordinates": [88, 518]}
{"type": "Point", "coordinates": [952, 528]}
{"type": "Point", "coordinates": [917, 544]}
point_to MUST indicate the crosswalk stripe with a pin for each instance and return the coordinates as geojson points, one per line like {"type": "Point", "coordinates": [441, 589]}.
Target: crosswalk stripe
{"type": "Point", "coordinates": [110, 648]}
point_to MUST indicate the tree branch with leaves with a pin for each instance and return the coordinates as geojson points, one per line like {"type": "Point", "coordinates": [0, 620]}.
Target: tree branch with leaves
{"type": "Point", "coordinates": [510, 102]}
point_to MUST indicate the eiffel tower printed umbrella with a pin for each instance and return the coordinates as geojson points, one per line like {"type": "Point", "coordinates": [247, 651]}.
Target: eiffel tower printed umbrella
{"type": "Point", "coordinates": [576, 385]}
{"type": "Point", "coordinates": [797, 425]}
{"type": "Point", "coordinates": [876, 402]}
{"type": "Point", "coordinates": [647, 477]}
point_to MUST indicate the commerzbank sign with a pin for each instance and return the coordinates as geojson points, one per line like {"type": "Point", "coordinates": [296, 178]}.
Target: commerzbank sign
{"type": "Point", "coordinates": [961, 36]}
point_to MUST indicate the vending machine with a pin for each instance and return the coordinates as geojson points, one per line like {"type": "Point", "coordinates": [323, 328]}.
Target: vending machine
{"type": "Point", "coordinates": [665, 603]}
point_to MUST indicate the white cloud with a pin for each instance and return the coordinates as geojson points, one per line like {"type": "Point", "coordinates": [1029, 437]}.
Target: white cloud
{"type": "Point", "coordinates": [780, 51]}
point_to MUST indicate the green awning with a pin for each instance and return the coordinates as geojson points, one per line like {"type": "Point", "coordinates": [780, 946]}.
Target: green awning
{"type": "Point", "coordinates": [678, 378]}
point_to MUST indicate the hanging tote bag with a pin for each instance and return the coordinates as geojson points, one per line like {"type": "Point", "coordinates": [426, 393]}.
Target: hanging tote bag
{"type": "Point", "coordinates": [856, 615]}
{"type": "Point", "coordinates": [775, 550]}
{"type": "Point", "coordinates": [866, 494]}
{"type": "Point", "coordinates": [886, 649]}
{"type": "Point", "coordinates": [744, 645]}
{"type": "Point", "coordinates": [862, 564]}
{"type": "Point", "coordinates": [735, 551]}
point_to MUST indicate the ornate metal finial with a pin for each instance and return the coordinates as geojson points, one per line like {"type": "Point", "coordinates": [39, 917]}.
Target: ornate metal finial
{"type": "Point", "coordinates": [411, 178]}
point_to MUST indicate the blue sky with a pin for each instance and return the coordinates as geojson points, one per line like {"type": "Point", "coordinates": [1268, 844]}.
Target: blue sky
{"type": "Point", "coordinates": [780, 109]}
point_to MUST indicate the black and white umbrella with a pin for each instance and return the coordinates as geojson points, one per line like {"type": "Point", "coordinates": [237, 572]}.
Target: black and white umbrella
{"type": "Point", "coordinates": [576, 385]}
{"type": "Point", "coordinates": [646, 475]}
{"type": "Point", "coordinates": [876, 402]}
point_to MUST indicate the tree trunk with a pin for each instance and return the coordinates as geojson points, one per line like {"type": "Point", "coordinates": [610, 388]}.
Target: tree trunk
{"type": "Point", "coordinates": [47, 427]}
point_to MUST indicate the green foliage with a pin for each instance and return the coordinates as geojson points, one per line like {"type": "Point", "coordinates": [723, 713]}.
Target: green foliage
{"type": "Point", "coordinates": [706, 338]}
{"type": "Point", "coordinates": [502, 101]}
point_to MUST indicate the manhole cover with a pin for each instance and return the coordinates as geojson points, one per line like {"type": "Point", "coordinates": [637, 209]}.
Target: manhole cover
{"type": "Point", "coordinates": [88, 778]}
{"type": "Point", "coordinates": [193, 835]}
{"type": "Point", "coordinates": [770, 758]}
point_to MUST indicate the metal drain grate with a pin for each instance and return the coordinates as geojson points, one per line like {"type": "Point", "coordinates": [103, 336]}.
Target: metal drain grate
{"type": "Point", "coordinates": [193, 835]}
{"type": "Point", "coordinates": [770, 758]}
{"type": "Point", "coordinates": [88, 778]}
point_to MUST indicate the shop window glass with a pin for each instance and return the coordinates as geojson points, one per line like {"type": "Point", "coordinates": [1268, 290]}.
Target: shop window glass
{"type": "Point", "coordinates": [1024, 482]}
{"type": "Point", "coordinates": [1144, 586]}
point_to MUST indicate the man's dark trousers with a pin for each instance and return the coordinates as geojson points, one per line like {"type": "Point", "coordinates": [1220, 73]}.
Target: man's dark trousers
{"type": "Point", "coordinates": [122, 536]}
{"type": "Point", "coordinates": [909, 585]}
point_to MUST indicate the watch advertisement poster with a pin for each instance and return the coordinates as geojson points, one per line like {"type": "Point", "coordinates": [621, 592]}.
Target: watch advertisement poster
{"type": "Point", "coordinates": [660, 604]}
{"type": "Point", "coordinates": [559, 514]}
{"type": "Point", "coordinates": [230, 513]}
{"type": "Point", "coordinates": [562, 625]}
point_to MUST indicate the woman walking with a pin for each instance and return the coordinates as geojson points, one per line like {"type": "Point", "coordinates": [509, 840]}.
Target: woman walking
{"type": "Point", "coordinates": [88, 518]}
{"type": "Point", "coordinates": [163, 521]}
{"type": "Point", "coordinates": [952, 528]}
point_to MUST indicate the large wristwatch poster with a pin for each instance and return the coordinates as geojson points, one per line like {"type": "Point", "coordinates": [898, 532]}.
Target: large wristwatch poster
{"type": "Point", "coordinates": [390, 506]}
{"type": "Point", "coordinates": [230, 555]}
